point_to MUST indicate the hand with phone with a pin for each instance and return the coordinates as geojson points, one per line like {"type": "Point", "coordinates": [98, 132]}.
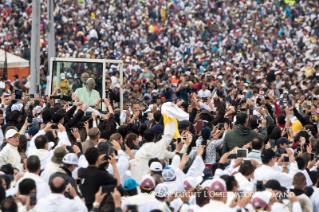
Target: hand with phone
{"type": "Point", "coordinates": [99, 196]}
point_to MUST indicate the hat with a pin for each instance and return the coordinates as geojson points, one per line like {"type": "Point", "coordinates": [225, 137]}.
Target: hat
{"type": "Point", "coordinates": [168, 173]}
{"type": "Point", "coordinates": [285, 92]}
{"type": "Point", "coordinates": [261, 199]}
{"type": "Point", "coordinates": [161, 190]}
{"type": "Point", "coordinates": [71, 159]}
{"type": "Point", "coordinates": [130, 184]}
{"type": "Point", "coordinates": [156, 167]}
{"type": "Point", "coordinates": [283, 140]}
{"type": "Point", "coordinates": [58, 155]}
{"type": "Point", "coordinates": [206, 133]}
{"type": "Point", "coordinates": [218, 185]}
{"type": "Point", "coordinates": [183, 124]}
{"type": "Point", "coordinates": [147, 183]}
{"type": "Point", "coordinates": [268, 154]}
{"type": "Point", "coordinates": [158, 128]}
{"type": "Point", "coordinates": [10, 133]}
{"type": "Point", "coordinates": [33, 131]}
{"type": "Point", "coordinates": [62, 76]}
{"type": "Point", "coordinates": [192, 182]}
{"type": "Point", "coordinates": [154, 91]}
{"type": "Point", "coordinates": [16, 106]}
{"type": "Point", "coordinates": [244, 91]}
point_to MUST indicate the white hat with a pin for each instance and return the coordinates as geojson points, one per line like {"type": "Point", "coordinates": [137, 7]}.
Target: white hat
{"type": "Point", "coordinates": [38, 109]}
{"type": "Point", "coordinates": [71, 159]}
{"type": "Point", "coordinates": [168, 173]}
{"type": "Point", "coordinates": [156, 167]}
{"type": "Point", "coordinates": [261, 199]}
{"type": "Point", "coordinates": [161, 189]}
{"type": "Point", "coordinates": [154, 91]}
{"type": "Point", "coordinates": [16, 106]}
{"type": "Point", "coordinates": [62, 76]}
{"type": "Point", "coordinates": [244, 91]}
{"type": "Point", "coordinates": [192, 182]}
{"type": "Point", "coordinates": [10, 133]}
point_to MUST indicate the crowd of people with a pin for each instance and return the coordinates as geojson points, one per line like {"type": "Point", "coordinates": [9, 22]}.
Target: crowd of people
{"type": "Point", "coordinates": [220, 108]}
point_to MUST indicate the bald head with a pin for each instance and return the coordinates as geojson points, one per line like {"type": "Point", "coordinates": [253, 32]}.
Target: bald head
{"type": "Point", "coordinates": [94, 133]}
{"type": "Point", "coordinates": [299, 181]}
{"type": "Point", "coordinates": [57, 185]}
{"type": "Point", "coordinates": [84, 77]}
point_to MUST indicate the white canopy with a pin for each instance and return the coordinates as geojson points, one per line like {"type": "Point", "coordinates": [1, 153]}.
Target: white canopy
{"type": "Point", "coordinates": [13, 61]}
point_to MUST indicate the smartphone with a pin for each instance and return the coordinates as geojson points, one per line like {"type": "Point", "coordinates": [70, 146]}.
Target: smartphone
{"type": "Point", "coordinates": [7, 95]}
{"type": "Point", "coordinates": [2, 106]}
{"type": "Point", "coordinates": [108, 189]}
{"type": "Point", "coordinates": [241, 96]}
{"type": "Point", "coordinates": [69, 148]}
{"type": "Point", "coordinates": [220, 126]}
{"type": "Point", "coordinates": [287, 129]}
{"type": "Point", "coordinates": [70, 104]}
{"type": "Point", "coordinates": [298, 148]}
{"type": "Point", "coordinates": [242, 153]}
{"type": "Point", "coordinates": [30, 118]}
{"type": "Point", "coordinates": [31, 96]}
{"type": "Point", "coordinates": [309, 133]}
{"type": "Point", "coordinates": [240, 193]}
{"type": "Point", "coordinates": [199, 126]}
{"type": "Point", "coordinates": [132, 208]}
{"type": "Point", "coordinates": [232, 156]}
{"type": "Point", "coordinates": [59, 90]}
{"type": "Point", "coordinates": [55, 97]}
{"type": "Point", "coordinates": [33, 198]}
{"type": "Point", "coordinates": [88, 113]}
{"type": "Point", "coordinates": [179, 139]}
{"type": "Point", "coordinates": [312, 156]}
{"type": "Point", "coordinates": [18, 94]}
{"type": "Point", "coordinates": [78, 181]}
{"type": "Point", "coordinates": [54, 126]}
{"type": "Point", "coordinates": [81, 124]}
{"type": "Point", "coordinates": [286, 158]}
{"type": "Point", "coordinates": [107, 94]}
{"type": "Point", "coordinates": [273, 143]}
{"type": "Point", "coordinates": [261, 93]}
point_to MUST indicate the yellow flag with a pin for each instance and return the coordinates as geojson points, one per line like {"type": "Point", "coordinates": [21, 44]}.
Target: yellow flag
{"type": "Point", "coordinates": [167, 119]}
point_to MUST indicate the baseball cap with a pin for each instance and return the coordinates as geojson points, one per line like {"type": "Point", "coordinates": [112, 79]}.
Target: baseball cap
{"type": "Point", "coordinates": [286, 92]}
{"type": "Point", "coordinates": [218, 185]}
{"type": "Point", "coordinates": [156, 167]}
{"type": "Point", "coordinates": [261, 199]}
{"type": "Point", "coordinates": [33, 131]}
{"type": "Point", "coordinates": [168, 173]}
{"type": "Point", "coordinates": [130, 184]}
{"type": "Point", "coordinates": [16, 106]}
{"type": "Point", "coordinates": [192, 182]}
{"type": "Point", "coordinates": [283, 140]}
{"type": "Point", "coordinates": [244, 91]}
{"type": "Point", "coordinates": [71, 159]}
{"type": "Point", "coordinates": [161, 190]}
{"type": "Point", "coordinates": [62, 76]}
{"type": "Point", "coordinates": [147, 183]}
{"type": "Point", "coordinates": [58, 155]}
{"type": "Point", "coordinates": [10, 133]}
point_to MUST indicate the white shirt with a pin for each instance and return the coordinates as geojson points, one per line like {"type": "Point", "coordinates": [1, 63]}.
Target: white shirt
{"type": "Point", "coordinates": [122, 165]}
{"type": "Point", "coordinates": [10, 154]}
{"type": "Point", "coordinates": [274, 173]}
{"type": "Point", "coordinates": [205, 93]}
{"type": "Point", "coordinates": [43, 189]}
{"type": "Point", "coordinates": [49, 170]}
{"type": "Point", "coordinates": [145, 202]}
{"type": "Point", "coordinates": [58, 202]}
{"type": "Point", "coordinates": [93, 33]}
